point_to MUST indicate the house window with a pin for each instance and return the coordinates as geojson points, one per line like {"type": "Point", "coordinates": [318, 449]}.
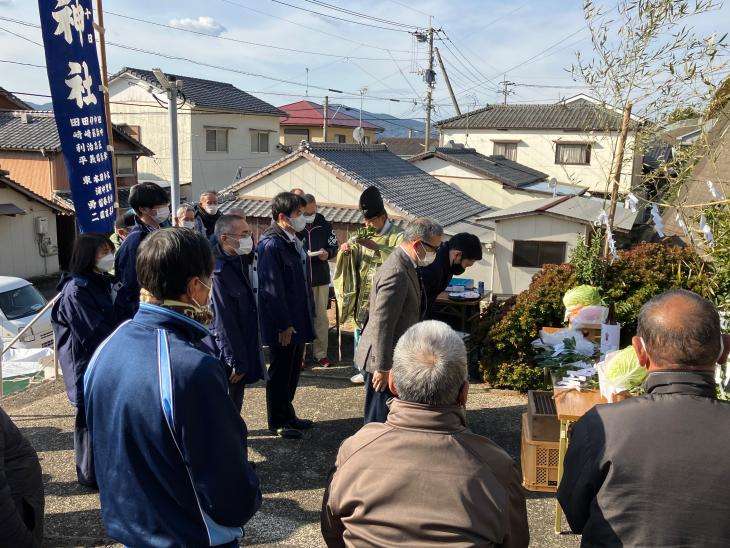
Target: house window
{"type": "Point", "coordinates": [259, 141]}
{"type": "Point", "coordinates": [573, 154]}
{"type": "Point", "coordinates": [508, 150]}
{"type": "Point", "coordinates": [216, 140]}
{"type": "Point", "coordinates": [341, 138]}
{"type": "Point", "coordinates": [536, 254]}
{"type": "Point", "coordinates": [125, 166]}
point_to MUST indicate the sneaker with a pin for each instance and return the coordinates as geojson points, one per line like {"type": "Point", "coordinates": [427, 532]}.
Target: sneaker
{"type": "Point", "coordinates": [357, 379]}
{"type": "Point", "coordinates": [324, 362]}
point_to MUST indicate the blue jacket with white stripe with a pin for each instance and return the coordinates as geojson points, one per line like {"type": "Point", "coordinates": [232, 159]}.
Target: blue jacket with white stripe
{"type": "Point", "coordinates": [169, 446]}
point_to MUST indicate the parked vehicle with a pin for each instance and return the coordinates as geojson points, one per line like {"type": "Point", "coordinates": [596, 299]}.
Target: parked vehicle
{"type": "Point", "coordinates": [20, 301]}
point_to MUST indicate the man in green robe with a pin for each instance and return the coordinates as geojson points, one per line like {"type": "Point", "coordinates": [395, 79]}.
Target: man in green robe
{"type": "Point", "coordinates": [358, 260]}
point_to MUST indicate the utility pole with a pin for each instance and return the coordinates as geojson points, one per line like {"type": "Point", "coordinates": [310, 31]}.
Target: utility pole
{"type": "Point", "coordinates": [324, 117]}
{"type": "Point", "coordinates": [618, 165]}
{"type": "Point", "coordinates": [505, 88]}
{"type": "Point", "coordinates": [430, 80]}
{"type": "Point", "coordinates": [448, 82]}
{"type": "Point", "coordinates": [105, 88]}
{"type": "Point", "coordinates": [172, 85]}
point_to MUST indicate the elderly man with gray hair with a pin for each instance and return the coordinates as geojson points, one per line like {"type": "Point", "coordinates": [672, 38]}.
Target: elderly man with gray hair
{"type": "Point", "coordinates": [651, 470]}
{"type": "Point", "coordinates": [423, 478]}
{"type": "Point", "coordinates": [397, 300]}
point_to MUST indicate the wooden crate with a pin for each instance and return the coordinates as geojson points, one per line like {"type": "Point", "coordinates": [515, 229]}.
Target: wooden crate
{"type": "Point", "coordinates": [542, 416]}
{"type": "Point", "coordinates": [539, 462]}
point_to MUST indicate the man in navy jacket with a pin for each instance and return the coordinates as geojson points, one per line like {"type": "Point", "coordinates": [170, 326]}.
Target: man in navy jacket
{"type": "Point", "coordinates": [152, 208]}
{"type": "Point", "coordinates": [318, 236]}
{"type": "Point", "coordinates": [170, 447]}
{"type": "Point", "coordinates": [285, 306]}
{"type": "Point", "coordinates": [235, 324]}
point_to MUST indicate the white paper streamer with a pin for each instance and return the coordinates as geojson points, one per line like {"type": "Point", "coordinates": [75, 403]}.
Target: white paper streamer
{"type": "Point", "coordinates": [681, 223]}
{"type": "Point", "coordinates": [706, 230]}
{"type": "Point", "coordinates": [603, 220]}
{"type": "Point", "coordinates": [716, 192]}
{"type": "Point", "coordinates": [631, 202]}
{"type": "Point", "coordinates": [658, 222]}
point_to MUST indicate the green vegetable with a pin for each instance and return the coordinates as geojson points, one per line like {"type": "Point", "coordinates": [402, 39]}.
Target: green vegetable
{"type": "Point", "coordinates": [364, 232]}
{"type": "Point", "coordinates": [583, 295]}
{"type": "Point", "coordinates": [623, 369]}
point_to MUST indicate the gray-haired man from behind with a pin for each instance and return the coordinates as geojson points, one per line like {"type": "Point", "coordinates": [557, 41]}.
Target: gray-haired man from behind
{"type": "Point", "coordinates": [652, 470]}
{"type": "Point", "coordinates": [397, 300]}
{"type": "Point", "coordinates": [423, 478]}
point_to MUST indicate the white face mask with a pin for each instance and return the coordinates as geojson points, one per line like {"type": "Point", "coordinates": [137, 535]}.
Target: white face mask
{"type": "Point", "coordinates": [309, 218]}
{"type": "Point", "coordinates": [162, 214]}
{"type": "Point", "coordinates": [211, 209]}
{"type": "Point", "coordinates": [428, 259]}
{"type": "Point", "coordinates": [188, 224]}
{"type": "Point", "coordinates": [106, 263]}
{"type": "Point", "coordinates": [245, 245]}
{"type": "Point", "coordinates": [297, 223]}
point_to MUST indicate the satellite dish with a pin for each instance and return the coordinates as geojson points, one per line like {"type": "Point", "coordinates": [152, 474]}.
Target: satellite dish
{"type": "Point", "coordinates": [358, 134]}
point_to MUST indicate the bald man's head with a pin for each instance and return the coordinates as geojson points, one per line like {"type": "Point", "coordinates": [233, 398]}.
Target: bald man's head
{"type": "Point", "coordinates": [680, 330]}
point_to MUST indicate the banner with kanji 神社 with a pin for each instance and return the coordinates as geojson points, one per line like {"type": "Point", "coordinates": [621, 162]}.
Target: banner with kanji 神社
{"type": "Point", "coordinates": [78, 104]}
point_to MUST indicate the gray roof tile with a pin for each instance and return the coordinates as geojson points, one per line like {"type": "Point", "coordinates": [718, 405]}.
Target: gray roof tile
{"type": "Point", "coordinates": [211, 94]}
{"type": "Point", "coordinates": [404, 146]}
{"type": "Point", "coordinates": [38, 132]}
{"type": "Point", "coordinates": [578, 115]}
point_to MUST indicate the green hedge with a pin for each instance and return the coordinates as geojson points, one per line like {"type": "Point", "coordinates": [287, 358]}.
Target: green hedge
{"type": "Point", "coordinates": [507, 329]}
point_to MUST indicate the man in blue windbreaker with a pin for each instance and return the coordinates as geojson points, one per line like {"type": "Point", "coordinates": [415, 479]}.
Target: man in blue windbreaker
{"type": "Point", "coordinates": [152, 210]}
{"type": "Point", "coordinates": [285, 309]}
{"type": "Point", "coordinates": [235, 325]}
{"type": "Point", "coordinates": [169, 446]}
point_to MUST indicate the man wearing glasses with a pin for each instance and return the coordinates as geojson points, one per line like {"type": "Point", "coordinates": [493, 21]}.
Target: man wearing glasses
{"type": "Point", "coordinates": [397, 300]}
{"type": "Point", "coordinates": [235, 325]}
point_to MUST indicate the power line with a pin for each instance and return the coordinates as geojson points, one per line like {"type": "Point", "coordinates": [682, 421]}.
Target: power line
{"type": "Point", "coordinates": [363, 15]}
{"type": "Point", "coordinates": [478, 76]}
{"type": "Point", "coordinates": [24, 64]}
{"type": "Point", "coordinates": [20, 36]}
{"type": "Point", "coordinates": [467, 59]}
{"type": "Point", "coordinates": [228, 39]}
{"type": "Point", "coordinates": [338, 18]}
{"type": "Point", "coordinates": [313, 29]}
{"type": "Point", "coordinates": [411, 8]}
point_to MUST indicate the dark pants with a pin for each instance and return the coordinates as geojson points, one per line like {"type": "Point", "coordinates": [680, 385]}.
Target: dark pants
{"type": "Point", "coordinates": [376, 408]}
{"type": "Point", "coordinates": [284, 370]}
{"type": "Point", "coordinates": [235, 391]}
{"type": "Point", "coordinates": [83, 451]}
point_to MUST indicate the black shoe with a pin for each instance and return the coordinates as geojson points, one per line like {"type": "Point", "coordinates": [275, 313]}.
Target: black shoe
{"type": "Point", "coordinates": [301, 424]}
{"type": "Point", "coordinates": [286, 432]}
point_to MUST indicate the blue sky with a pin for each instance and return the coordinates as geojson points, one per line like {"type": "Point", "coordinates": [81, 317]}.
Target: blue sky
{"type": "Point", "coordinates": [493, 36]}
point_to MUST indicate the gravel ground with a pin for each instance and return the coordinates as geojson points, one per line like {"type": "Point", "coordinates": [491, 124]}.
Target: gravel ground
{"type": "Point", "coordinates": [293, 473]}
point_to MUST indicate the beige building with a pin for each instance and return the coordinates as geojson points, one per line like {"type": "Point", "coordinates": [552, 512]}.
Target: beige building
{"type": "Point", "coordinates": [543, 231]}
{"type": "Point", "coordinates": [224, 133]}
{"type": "Point", "coordinates": [573, 141]}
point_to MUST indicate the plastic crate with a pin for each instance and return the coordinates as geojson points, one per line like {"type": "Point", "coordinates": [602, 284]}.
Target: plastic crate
{"type": "Point", "coordinates": [542, 416]}
{"type": "Point", "coordinates": [539, 462]}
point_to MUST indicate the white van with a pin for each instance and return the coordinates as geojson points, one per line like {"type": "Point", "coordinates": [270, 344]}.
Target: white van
{"type": "Point", "coordinates": [19, 303]}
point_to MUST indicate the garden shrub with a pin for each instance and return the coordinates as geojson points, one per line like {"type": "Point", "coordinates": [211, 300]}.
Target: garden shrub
{"type": "Point", "coordinates": [507, 329]}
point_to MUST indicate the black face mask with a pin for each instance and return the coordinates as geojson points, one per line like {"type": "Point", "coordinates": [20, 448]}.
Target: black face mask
{"type": "Point", "coordinates": [457, 269]}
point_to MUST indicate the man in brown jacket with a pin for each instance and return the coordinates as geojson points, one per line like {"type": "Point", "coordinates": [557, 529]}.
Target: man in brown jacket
{"type": "Point", "coordinates": [396, 301]}
{"type": "Point", "coordinates": [422, 478]}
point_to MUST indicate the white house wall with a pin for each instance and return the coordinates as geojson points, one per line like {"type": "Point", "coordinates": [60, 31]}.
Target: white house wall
{"type": "Point", "coordinates": [146, 113]}
{"type": "Point", "coordinates": [511, 280]}
{"type": "Point", "coordinates": [536, 149]}
{"type": "Point", "coordinates": [18, 240]}
{"type": "Point", "coordinates": [216, 170]}
{"type": "Point", "coordinates": [487, 191]}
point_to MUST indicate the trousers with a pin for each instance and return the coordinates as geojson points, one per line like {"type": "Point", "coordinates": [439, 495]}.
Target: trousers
{"type": "Point", "coordinates": [321, 295]}
{"type": "Point", "coordinates": [376, 403]}
{"type": "Point", "coordinates": [284, 370]}
{"type": "Point", "coordinates": [83, 452]}
{"type": "Point", "coordinates": [235, 392]}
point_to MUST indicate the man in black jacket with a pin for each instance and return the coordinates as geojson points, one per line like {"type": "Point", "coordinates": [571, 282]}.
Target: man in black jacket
{"type": "Point", "coordinates": [319, 237]}
{"type": "Point", "coordinates": [206, 213]}
{"type": "Point", "coordinates": [21, 489]}
{"type": "Point", "coordinates": [649, 471]}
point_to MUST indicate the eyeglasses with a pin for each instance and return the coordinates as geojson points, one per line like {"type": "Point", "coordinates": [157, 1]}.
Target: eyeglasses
{"type": "Point", "coordinates": [244, 235]}
{"type": "Point", "coordinates": [429, 246]}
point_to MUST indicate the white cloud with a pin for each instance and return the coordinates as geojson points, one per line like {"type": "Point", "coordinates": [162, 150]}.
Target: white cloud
{"type": "Point", "coordinates": [203, 23]}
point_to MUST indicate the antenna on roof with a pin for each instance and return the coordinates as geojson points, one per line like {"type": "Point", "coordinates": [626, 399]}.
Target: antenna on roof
{"type": "Point", "coordinates": [358, 134]}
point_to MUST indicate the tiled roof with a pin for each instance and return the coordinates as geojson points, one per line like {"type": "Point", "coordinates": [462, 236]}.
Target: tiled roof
{"type": "Point", "coordinates": [210, 94]}
{"type": "Point", "coordinates": [402, 185]}
{"type": "Point", "coordinates": [499, 168]}
{"type": "Point", "coordinates": [309, 113]}
{"type": "Point", "coordinates": [578, 208]}
{"type": "Point", "coordinates": [28, 130]}
{"type": "Point", "coordinates": [261, 208]}
{"type": "Point", "coordinates": [36, 130]}
{"type": "Point", "coordinates": [405, 147]}
{"type": "Point", "coordinates": [579, 115]}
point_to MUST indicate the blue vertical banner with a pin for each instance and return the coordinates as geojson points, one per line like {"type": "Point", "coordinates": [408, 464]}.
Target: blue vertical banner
{"type": "Point", "coordinates": [78, 104]}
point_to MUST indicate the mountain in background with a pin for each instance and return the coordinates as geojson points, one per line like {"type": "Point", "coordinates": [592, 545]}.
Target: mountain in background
{"type": "Point", "coordinates": [394, 127]}
{"type": "Point", "coordinates": [38, 106]}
